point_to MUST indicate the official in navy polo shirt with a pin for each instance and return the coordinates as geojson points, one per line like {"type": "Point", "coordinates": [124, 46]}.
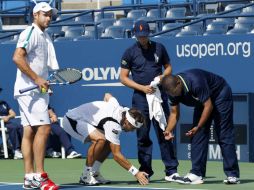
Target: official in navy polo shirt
{"type": "Point", "coordinates": [147, 59]}
{"type": "Point", "coordinates": [211, 97]}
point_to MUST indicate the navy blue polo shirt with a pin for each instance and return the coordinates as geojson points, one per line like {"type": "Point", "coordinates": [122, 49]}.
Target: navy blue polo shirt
{"type": "Point", "coordinates": [145, 64]}
{"type": "Point", "coordinates": [199, 86]}
{"type": "Point", "coordinates": [4, 108]}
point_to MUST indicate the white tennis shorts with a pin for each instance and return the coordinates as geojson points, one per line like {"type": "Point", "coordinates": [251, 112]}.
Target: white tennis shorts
{"type": "Point", "coordinates": [34, 109]}
{"type": "Point", "coordinates": [83, 129]}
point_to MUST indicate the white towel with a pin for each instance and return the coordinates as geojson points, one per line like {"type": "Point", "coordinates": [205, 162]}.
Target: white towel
{"type": "Point", "coordinates": [154, 103]}
{"type": "Point", "coordinates": [52, 61]}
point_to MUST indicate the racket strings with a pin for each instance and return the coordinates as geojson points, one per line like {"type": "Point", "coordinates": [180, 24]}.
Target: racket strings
{"type": "Point", "coordinates": [68, 76]}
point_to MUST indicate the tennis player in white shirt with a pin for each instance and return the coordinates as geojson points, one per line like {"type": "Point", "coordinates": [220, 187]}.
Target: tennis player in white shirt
{"type": "Point", "coordinates": [101, 122]}
{"type": "Point", "coordinates": [34, 56]}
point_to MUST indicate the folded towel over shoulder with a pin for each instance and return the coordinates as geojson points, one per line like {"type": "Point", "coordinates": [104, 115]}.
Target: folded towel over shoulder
{"type": "Point", "coordinates": [52, 61]}
{"type": "Point", "coordinates": [154, 103]}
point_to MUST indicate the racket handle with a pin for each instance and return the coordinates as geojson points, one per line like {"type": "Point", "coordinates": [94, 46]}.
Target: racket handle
{"type": "Point", "coordinates": [21, 91]}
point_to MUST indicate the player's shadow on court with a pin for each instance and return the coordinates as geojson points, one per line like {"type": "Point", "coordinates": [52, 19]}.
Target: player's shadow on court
{"type": "Point", "coordinates": [159, 181]}
{"type": "Point", "coordinates": [242, 181]}
{"type": "Point", "coordinates": [213, 182]}
{"type": "Point", "coordinates": [246, 181]}
{"type": "Point", "coordinates": [210, 177]}
{"type": "Point", "coordinates": [123, 182]}
{"type": "Point", "coordinates": [133, 182]}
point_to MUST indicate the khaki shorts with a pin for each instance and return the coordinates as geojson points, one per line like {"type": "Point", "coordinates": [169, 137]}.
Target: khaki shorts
{"type": "Point", "coordinates": [34, 109]}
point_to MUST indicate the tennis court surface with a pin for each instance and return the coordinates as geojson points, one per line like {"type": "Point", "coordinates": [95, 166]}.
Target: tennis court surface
{"type": "Point", "coordinates": [66, 173]}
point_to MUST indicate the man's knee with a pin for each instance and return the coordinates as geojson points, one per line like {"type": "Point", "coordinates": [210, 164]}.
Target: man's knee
{"type": "Point", "coordinates": [28, 133]}
{"type": "Point", "coordinates": [96, 135]}
{"type": "Point", "coordinates": [101, 141]}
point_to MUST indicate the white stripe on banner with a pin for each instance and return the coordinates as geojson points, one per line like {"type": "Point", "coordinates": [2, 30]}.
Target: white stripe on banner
{"type": "Point", "coordinates": [104, 84]}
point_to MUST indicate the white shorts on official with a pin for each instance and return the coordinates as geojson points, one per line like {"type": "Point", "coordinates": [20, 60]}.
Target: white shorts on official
{"type": "Point", "coordinates": [34, 109]}
{"type": "Point", "coordinates": [83, 129]}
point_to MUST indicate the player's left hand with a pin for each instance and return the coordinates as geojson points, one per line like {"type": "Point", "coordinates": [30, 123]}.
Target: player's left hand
{"type": "Point", "coordinates": [192, 132]}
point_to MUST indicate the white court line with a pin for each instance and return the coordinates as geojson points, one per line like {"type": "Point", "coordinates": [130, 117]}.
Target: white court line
{"type": "Point", "coordinates": [2, 183]}
{"type": "Point", "coordinates": [122, 187]}
{"type": "Point", "coordinates": [101, 186]}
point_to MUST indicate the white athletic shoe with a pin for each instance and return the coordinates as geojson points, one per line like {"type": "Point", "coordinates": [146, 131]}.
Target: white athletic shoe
{"type": "Point", "coordinates": [191, 178]}
{"type": "Point", "coordinates": [74, 154]}
{"type": "Point", "coordinates": [175, 177]}
{"type": "Point", "coordinates": [101, 179]}
{"type": "Point", "coordinates": [29, 185]}
{"type": "Point", "coordinates": [53, 154]}
{"type": "Point", "coordinates": [18, 155]}
{"type": "Point", "coordinates": [231, 180]}
{"type": "Point", "coordinates": [88, 179]}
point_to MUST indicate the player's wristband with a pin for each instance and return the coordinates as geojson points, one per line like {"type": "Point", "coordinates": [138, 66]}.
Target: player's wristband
{"type": "Point", "coordinates": [133, 170]}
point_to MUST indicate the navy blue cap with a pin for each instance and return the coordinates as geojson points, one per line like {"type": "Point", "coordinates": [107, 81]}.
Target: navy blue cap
{"type": "Point", "coordinates": [141, 29]}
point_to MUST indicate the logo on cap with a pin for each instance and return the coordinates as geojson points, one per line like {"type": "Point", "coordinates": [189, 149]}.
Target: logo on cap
{"type": "Point", "coordinates": [140, 27]}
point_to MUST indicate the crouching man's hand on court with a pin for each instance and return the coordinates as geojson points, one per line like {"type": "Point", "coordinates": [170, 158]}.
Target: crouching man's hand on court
{"type": "Point", "coordinates": [142, 178]}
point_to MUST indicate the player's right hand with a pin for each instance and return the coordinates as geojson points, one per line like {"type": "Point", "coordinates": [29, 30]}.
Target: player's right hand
{"type": "Point", "coordinates": [142, 178]}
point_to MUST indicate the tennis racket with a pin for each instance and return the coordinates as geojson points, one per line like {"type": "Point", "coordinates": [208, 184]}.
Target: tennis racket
{"type": "Point", "coordinates": [59, 77]}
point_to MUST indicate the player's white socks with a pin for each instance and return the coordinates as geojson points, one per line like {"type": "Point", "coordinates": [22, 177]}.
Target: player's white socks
{"type": "Point", "coordinates": [29, 176]}
{"type": "Point", "coordinates": [87, 169]}
{"type": "Point", "coordinates": [96, 166]}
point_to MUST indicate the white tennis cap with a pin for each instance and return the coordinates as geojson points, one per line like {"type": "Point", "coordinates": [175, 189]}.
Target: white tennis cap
{"type": "Point", "coordinates": [45, 7]}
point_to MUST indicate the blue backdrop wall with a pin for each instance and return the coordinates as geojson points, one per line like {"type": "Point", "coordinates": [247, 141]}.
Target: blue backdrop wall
{"type": "Point", "coordinates": [99, 60]}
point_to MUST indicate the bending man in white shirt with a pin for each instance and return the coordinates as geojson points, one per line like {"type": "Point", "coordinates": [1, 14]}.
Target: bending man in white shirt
{"type": "Point", "coordinates": [101, 123]}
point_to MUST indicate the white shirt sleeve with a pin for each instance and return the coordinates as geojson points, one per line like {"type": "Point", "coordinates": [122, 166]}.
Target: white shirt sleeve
{"type": "Point", "coordinates": [24, 40]}
{"type": "Point", "coordinates": [113, 101]}
{"type": "Point", "coordinates": [112, 132]}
